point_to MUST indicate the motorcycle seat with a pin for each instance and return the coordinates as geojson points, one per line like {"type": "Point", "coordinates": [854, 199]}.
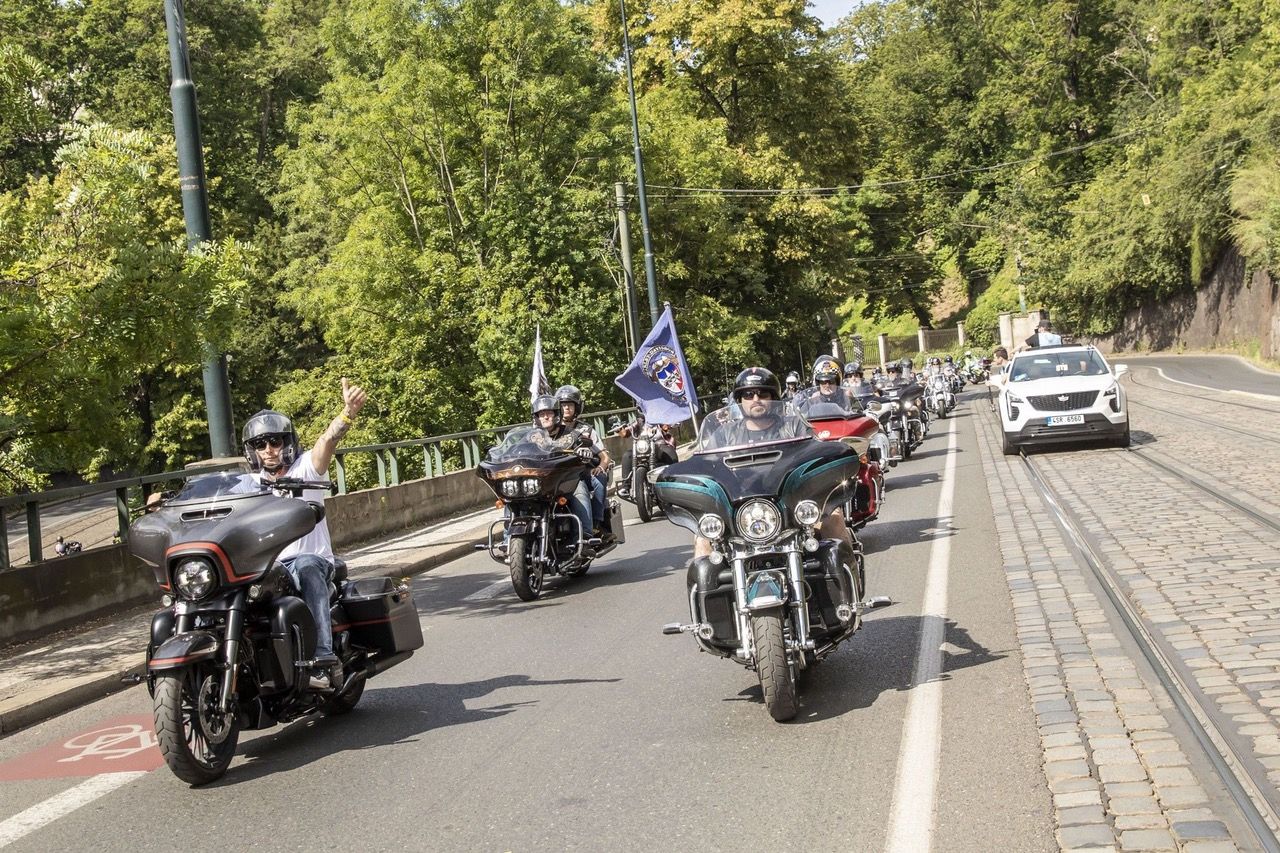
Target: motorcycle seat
{"type": "Point", "coordinates": [339, 570]}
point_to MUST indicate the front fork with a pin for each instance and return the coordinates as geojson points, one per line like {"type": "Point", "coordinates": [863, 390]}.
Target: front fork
{"type": "Point", "coordinates": [235, 630]}
{"type": "Point", "coordinates": [795, 573]}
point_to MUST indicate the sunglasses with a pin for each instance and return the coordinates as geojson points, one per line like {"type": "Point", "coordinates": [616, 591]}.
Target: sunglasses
{"type": "Point", "coordinates": [275, 442]}
{"type": "Point", "coordinates": [754, 395]}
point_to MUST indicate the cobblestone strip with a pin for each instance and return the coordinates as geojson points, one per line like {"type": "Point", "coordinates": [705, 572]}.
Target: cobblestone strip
{"type": "Point", "coordinates": [1197, 443]}
{"type": "Point", "coordinates": [1119, 779]}
{"type": "Point", "coordinates": [1205, 582]}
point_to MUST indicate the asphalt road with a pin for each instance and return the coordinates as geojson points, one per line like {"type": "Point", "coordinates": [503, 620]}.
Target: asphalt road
{"type": "Point", "coordinates": [1211, 372]}
{"type": "Point", "coordinates": [572, 723]}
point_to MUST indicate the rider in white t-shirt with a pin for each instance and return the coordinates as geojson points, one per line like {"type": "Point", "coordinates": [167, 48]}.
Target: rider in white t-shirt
{"type": "Point", "coordinates": [271, 446]}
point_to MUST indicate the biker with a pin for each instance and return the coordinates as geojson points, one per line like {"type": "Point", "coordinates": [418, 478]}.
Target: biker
{"type": "Point", "coordinates": [569, 399]}
{"type": "Point", "coordinates": [850, 369]}
{"type": "Point", "coordinates": [272, 449]}
{"type": "Point", "coordinates": [546, 415]}
{"type": "Point", "coordinates": [970, 362]}
{"type": "Point", "coordinates": [826, 380]}
{"type": "Point", "coordinates": [793, 387]}
{"type": "Point", "coordinates": [858, 387]}
{"type": "Point", "coordinates": [664, 448]}
{"type": "Point", "coordinates": [765, 419]}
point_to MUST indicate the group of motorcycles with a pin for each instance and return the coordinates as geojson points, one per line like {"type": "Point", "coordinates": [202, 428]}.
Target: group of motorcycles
{"type": "Point", "coordinates": [775, 590]}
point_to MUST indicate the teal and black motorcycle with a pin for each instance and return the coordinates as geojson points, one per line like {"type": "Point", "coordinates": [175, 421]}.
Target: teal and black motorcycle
{"type": "Point", "coordinates": [773, 595]}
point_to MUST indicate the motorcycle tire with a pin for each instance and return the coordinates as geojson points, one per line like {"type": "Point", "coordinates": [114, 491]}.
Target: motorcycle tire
{"type": "Point", "coordinates": [526, 579]}
{"type": "Point", "coordinates": [196, 752]}
{"type": "Point", "coordinates": [777, 675]}
{"type": "Point", "coordinates": [906, 445]}
{"type": "Point", "coordinates": [643, 495]}
{"type": "Point", "coordinates": [336, 706]}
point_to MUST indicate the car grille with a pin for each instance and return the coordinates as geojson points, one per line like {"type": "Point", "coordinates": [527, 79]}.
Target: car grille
{"type": "Point", "coordinates": [1063, 402]}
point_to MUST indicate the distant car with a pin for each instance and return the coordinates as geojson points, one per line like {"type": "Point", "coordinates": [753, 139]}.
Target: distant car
{"type": "Point", "coordinates": [1062, 394]}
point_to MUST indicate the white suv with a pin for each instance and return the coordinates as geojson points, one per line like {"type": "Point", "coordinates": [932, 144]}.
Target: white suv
{"type": "Point", "coordinates": [1062, 394]}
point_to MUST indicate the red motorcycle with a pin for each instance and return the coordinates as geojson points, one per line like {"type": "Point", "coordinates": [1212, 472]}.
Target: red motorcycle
{"type": "Point", "coordinates": [861, 432]}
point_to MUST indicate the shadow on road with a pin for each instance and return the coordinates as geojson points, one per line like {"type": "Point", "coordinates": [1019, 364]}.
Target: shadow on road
{"type": "Point", "coordinates": [878, 659]}
{"type": "Point", "coordinates": [385, 717]}
{"type": "Point", "coordinates": [883, 535]}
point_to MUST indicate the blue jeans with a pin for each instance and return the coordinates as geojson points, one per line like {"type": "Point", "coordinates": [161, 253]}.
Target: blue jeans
{"type": "Point", "coordinates": [580, 503]}
{"type": "Point", "coordinates": [597, 499]}
{"type": "Point", "coordinates": [311, 574]}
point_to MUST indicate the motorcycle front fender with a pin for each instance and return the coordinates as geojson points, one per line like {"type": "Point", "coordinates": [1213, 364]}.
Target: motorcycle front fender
{"type": "Point", "coordinates": [183, 650]}
{"type": "Point", "coordinates": [523, 526]}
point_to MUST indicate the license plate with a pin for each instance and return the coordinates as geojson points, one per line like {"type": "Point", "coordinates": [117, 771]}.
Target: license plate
{"type": "Point", "coordinates": [1064, 420]}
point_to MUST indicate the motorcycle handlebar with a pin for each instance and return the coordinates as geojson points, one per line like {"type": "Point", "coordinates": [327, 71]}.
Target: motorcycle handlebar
{"type": "Point", "coordinates": [296, 486]}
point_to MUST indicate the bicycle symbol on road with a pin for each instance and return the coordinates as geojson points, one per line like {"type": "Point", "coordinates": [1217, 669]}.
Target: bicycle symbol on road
{"type": "Point", "coordinates": [111, 743]}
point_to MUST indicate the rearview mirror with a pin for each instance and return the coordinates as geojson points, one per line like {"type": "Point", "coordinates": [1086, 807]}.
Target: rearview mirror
{"type": "Point", "coordinates": [1121, 370]}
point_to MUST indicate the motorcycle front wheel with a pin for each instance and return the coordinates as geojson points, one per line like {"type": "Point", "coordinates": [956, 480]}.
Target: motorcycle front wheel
{"type": "Point", "coordinates": [641, 493]}
{"type": "Point", "coordinates": [526, 579]}
{"type": "Point", "coordinates": [777, 674]}
{"type": "Point", "coordinates": [196, 741]}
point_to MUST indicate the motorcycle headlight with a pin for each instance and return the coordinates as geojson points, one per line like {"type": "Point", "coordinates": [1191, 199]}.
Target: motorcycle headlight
{"type": "Point", "coordinates": [759, 521]}
{"type": "Point", "coordinates": [711, 526]}
{"type": "Point", "coordinates": [194, 578]}
{"type": "Point", "coordinates": [642, 445]}
{"type": "Point", "coordinates": [807, 513]}
{"type": "Point", "coordinates": [510, 488]}
{"type": "Point", "coordinates": [529, 486]}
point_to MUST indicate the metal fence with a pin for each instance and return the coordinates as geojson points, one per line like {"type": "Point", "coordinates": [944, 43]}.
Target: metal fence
{"type": "Point", "coordinates": [902, 346]}
{"type": "Point", "coordinates": [941, 339]}
{"type": "Point", "coordinates": [102, 505]}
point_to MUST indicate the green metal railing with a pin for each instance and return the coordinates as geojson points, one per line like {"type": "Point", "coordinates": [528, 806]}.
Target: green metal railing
{"type": "Point", "coordinates": [441, 454]}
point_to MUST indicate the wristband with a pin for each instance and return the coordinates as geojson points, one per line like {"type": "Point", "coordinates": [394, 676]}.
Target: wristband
{"type": "Point", "coordinates": [345, 418]}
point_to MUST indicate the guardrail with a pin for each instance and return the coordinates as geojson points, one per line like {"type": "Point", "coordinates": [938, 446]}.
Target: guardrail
{"type": "Point", "coordinates": [440, 454]}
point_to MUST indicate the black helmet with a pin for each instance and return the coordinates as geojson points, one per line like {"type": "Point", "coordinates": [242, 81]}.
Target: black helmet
{"type": "Point", "coordinates": [267, 423]}
{"type": "Point", "coordinates": [950, 360]}
{"type": "Point", "coordinates": [756, 378]}
{"type": "Point", "coordinates": [545, 403]}
{"type": "Point", "coordinates": [906, 365]}
{"type": "Point", "coordinates": [893, 367]}
{"type": "Point", "coordinates": [826, 369]}
{"type": "Point", "coordinates": [852, 368]}
{"type": "Point", "coordinates": [569, 394]}
{"type": "Point", "coordinates": [793, 378]}
{"type": "Point", "coordinates": [936, 361]}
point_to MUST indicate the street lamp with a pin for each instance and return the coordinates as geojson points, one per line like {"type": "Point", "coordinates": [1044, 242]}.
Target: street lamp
{"type": "Point", "coordinates": [195, 211]}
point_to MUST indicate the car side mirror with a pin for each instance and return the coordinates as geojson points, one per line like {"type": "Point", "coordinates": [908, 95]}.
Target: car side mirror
{"type": "Point", "coordinates": [1121, 370]}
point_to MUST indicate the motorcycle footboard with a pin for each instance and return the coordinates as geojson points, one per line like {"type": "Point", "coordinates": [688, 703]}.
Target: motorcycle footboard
{"type": "Point", "coordinates": [381, 616]}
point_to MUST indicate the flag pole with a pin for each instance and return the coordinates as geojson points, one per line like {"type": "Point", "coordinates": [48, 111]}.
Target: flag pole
{"type": "Point", "coordinates": [693, 414]}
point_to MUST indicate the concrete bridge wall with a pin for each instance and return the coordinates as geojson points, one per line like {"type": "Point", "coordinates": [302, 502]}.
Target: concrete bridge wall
{"type": "Point", "coordinates": [38, 599]}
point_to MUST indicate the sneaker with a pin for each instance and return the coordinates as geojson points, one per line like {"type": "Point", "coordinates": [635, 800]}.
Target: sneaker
{"type": "Point", "coordinates": [326, 673]}
{"type": "Point", "coordinates": [321, 679]}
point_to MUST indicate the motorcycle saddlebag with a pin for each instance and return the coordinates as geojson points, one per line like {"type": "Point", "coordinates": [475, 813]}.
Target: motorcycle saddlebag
{"type": "Point", "coordinates": [380, 616]}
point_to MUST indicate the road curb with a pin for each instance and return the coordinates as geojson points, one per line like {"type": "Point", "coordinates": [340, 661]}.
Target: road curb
{"type": "Point", "coordinates": [47, 707]}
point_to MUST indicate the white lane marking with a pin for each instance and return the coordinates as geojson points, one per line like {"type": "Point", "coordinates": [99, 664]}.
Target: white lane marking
{"type": "Point", "coordinates": [491, 591]}
{"type": "Point", "coordinates": [912, 817]}
{"type": "Point", "coordinates": [60, 805]}
{"type": "Point", "coordinates": [1270, 398]}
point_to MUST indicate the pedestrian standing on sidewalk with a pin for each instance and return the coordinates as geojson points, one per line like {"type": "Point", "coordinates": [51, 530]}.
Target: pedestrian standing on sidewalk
{"type": "Point", "coordinates": [272, 449]}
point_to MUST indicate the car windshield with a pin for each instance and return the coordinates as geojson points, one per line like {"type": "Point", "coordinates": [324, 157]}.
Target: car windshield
{"type": "Point", "coordinates": [221, 485]}
{"type": "Point", "coordinates": [750, 423]}
{"type": "Point", "coordinates": [526, 441]}
{"type": "Point", "coordinates": [1047, 365]}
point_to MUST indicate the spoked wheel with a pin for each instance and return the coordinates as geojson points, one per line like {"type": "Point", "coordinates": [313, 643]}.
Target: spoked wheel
{"type": "Point", "coordinates": [526, 579]}
{"type": "Point", "coordinates": [642, 494]}
{"type": "Point", "coordinates": [777, 675]}
{"type": "Point", "coordinates": [196, 741]}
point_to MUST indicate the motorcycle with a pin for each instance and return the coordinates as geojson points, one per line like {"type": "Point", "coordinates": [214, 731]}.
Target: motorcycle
{"type": "Point", "coordinates": [233, 647]}
{"type": "Point", "coordinates": [954, 377]}
{"type": "Point", "coordinates": [534, 481]}
{"type": "Point", "coordinates": [772, 596]}
{"type": "Point", "coordinates": [861, 432]}
{"type": "Point", "coordinates": [941, 399]}
{"type": "Point", "coordinates": [980, 371]}
{"type": "Point", "coordinates": [639, 490]}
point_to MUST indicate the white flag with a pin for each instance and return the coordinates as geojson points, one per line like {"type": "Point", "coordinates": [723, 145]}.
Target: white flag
{"type": "Point", "coordinates": [538, 380]}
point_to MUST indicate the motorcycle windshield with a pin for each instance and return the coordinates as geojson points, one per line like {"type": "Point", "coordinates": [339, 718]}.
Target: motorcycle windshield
{"type": "Point", "coordinates": [528, 442]}
{"type": "Point", "coordinates": [224, 484]}
{"type": "Point", "coordinates": [751, 423]}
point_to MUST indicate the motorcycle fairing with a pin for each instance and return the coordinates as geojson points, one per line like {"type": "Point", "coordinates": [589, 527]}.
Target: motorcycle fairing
{"type": "Point", "coordinates": [183, 650]}
{"type": "Point", "coordinates": [686, 498]}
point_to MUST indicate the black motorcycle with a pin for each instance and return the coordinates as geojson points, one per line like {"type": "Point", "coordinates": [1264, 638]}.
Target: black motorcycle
{"type": "Point", "coordinates": [234, 646]}
{"type": "Point", "coordinates": [772, 596]}
{"type": "Point", "coordinates": [534, 480]}
{"type": "Point", "coordinates": [647, 454]}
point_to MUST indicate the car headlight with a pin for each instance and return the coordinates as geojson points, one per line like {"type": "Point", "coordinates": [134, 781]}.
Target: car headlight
{"type": "Point", "coordinates": [759, 521]}
{"type": "Point", "coordinates": [1111, 392]}
{"type": "Point", "coordinates": [642, 445]}
{"type": "Point", "coordinates": [529, 486]}
{"type": "Point", "coordinates": [711, 526]}
{"type": "Point", "coordinates": [510, 488]}
{"type": "Point", "coordinates": [807, 513]}
{"type": "Point", "coordinates": [194, 578]}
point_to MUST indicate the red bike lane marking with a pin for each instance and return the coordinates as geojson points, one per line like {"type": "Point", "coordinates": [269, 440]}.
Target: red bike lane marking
{"type": "Point", "coordinates": [117, 745]}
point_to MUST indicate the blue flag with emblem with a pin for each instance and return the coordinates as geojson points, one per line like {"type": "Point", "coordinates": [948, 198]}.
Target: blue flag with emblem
{"type": "Point", "coordinates": [658, 377]}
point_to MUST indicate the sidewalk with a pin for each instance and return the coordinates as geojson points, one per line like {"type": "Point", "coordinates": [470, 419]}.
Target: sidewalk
{"type": "Point", "coordinates": [55, 674]}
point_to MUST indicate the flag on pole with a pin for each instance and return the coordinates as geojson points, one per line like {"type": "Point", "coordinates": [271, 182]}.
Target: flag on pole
{"type": "Point", "coordinates": [538, 383]}
{"type": "Point", "coordinates": [658, 377]}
